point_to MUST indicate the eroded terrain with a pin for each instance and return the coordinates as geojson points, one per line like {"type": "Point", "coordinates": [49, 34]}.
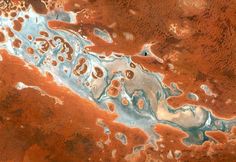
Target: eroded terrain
{"type": "Point", "coordinates": [117, 80]}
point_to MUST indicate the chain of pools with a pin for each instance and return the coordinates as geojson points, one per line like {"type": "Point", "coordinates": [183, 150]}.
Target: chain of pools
{"type": "Point", "coordinates": [107, 79]}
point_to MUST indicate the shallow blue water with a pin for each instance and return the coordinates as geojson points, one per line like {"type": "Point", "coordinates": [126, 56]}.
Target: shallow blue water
{"type": "Point", "coordinates": [193, 119]}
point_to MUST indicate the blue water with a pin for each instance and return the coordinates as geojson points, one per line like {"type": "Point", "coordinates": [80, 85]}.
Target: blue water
{"type": "Point", "coordinates": [148, 86]}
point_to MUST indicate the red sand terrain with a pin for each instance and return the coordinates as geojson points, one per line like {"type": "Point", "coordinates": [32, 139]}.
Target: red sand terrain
{"type": "Point", "coordinates": [35, 128]}
{"type": "Point", "coordinates": [197, 37]}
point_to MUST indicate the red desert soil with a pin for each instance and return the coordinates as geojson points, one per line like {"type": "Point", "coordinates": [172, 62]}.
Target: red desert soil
{"type": "Point", "coordinates": [33, 127]}
{"type": "Point", "coordinates": [198, 37]}
{"type": "Point", "coordinates": [195, 39]}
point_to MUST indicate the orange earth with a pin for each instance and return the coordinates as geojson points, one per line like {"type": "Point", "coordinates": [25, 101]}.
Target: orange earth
{"type": "Point", "coordinates": [193, 42]}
